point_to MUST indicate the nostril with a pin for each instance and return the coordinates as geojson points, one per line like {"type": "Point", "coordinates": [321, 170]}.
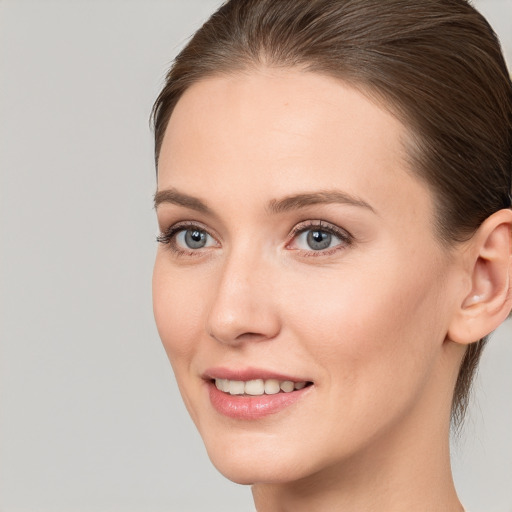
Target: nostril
{"type": "Point", "coordinates": [236, 339]}
{"type": "Point", "coordinates": [251, 336]}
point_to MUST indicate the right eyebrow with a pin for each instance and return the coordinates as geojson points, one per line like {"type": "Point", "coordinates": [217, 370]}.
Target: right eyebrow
{"type": "Point", "coordinates": [172, 196]}
{"type": "Point", "coordinates": [298, 201]}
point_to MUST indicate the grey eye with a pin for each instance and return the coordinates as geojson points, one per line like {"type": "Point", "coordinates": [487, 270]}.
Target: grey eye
{"type": "Point", "coordinates": [318, 240]}
{"type": "Point", "coordinates": [195, 238]}
{"type": "Point", "coordinates": [188, 238]}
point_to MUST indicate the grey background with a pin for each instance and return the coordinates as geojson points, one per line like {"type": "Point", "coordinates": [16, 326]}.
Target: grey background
{"type": "Point", "coordinates": [90, 417]}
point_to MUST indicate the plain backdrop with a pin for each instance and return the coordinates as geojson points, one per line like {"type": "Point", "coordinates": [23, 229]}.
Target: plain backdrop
{"type": "Point", "coordinates": [90, 417]}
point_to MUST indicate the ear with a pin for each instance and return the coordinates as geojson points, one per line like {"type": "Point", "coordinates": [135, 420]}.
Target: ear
{"type": "Point", "coordinates": [489, 267]}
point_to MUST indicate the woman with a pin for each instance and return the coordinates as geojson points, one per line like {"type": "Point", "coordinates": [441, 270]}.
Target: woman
{"type": "Point", "coordinates": [334, 201]}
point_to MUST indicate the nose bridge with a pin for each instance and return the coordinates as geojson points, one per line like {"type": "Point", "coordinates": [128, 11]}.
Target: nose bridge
{"type": "Point", "coordinates": [242, 305]}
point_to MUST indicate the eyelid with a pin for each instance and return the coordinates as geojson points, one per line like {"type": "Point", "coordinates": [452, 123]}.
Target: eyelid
{"type": "Point", "coordinates": [320, 225]}
{"type": "Point", "coordinates": [168, 237]}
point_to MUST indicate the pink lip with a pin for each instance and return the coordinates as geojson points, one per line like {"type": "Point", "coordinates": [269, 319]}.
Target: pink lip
{"type": "Point", "coordinates": [248, 373]}
{"type": "Point", "coordinates": [244, 407]}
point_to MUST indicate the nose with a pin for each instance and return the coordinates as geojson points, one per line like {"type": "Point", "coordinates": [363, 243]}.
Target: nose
{"type": "Point", "coordinates": [243, 304]}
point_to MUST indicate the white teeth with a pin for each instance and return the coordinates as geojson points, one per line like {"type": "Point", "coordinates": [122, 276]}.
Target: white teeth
{"type": "Point", "coordinates": [236, 387]}
{"type": "Point", "coordinates": [287, 386]}
{"type": "Point", "coordinates": [257, 387]}
{"type": "Point", "coordinates": [254, 387]}
{"type": "Point", "coordinates": [272, 387]}
{"type": "Point", "coordinates": [222, 384]}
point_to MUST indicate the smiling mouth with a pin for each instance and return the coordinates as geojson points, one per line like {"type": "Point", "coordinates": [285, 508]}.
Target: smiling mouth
{"type": "Point", "coordinates": [258, 387]}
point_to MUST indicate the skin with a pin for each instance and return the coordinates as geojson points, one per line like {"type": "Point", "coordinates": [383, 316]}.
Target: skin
{"type": "Point", "coordinates": [365, 320]}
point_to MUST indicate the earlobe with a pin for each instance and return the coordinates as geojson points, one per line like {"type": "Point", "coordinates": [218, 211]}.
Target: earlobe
{"type": "Point", "coordinates": [489, 265]}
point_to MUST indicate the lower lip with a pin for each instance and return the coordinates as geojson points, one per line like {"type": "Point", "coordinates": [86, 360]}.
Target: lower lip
{"type": "Point", "coordinates": [252, 407]}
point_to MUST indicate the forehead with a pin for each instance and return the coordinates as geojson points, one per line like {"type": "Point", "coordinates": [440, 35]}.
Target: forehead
{"type": "Point", "coordinates": [276, 132]}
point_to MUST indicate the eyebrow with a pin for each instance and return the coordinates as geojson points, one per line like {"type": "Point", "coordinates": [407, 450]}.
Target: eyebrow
{"type": "Point", "coordinates": [172, 196]}
{"type": "Point", "coordinates": [275, 206]}
{"type": "Point", "coordinates": [297, 201]}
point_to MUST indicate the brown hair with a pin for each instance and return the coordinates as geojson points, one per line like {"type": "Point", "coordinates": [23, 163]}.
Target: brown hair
{"type": "Point", "coordinates": [436, 64]}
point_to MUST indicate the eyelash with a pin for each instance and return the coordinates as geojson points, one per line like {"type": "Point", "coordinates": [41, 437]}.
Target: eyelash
{"type": "Point", "coordinates": [344, 236]}
{"type": "Point", "coordinates": [168, 237]}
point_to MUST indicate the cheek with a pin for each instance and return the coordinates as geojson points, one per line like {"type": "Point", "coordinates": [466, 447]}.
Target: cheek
{"type": "Point", "coordinates": [371, 327]}
{"type": "Point", "coordinates": [375, 347]}
{"type": "Point", "coordinates": [177, 310]}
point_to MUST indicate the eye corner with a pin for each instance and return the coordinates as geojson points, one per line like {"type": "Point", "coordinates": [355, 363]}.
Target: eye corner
{"type": "Point", "coordinates": [326, 233]}
{"type": "Point", "coordinates": [188, 239]}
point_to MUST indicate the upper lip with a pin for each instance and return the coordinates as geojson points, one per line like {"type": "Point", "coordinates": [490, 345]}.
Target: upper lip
{"type": "Point", "coordinates": [248, 373]}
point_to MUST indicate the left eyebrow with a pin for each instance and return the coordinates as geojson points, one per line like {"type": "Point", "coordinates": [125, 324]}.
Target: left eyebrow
{"type": "Point", "coordinates": [172, 196]}
{"type": "Point", "coordinates": [295, 202]}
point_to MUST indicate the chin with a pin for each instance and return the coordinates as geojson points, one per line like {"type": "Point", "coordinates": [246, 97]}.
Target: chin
{"type": "Point", "coordinates": [246, 472]}
{"type": "Point", "coordinates": [244, 458]}
{"type": "Point", "coordinates": [249, 458]}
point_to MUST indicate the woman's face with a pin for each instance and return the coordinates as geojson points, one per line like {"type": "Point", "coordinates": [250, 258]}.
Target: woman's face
{"type": "Point", "coordinates": [298, 248]}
